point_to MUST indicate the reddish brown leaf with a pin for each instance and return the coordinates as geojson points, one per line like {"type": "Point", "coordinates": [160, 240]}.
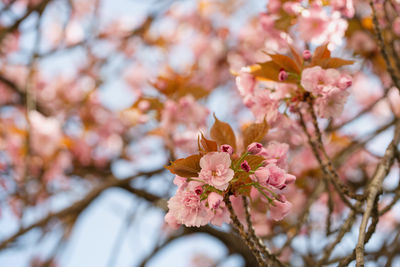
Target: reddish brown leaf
{"type": "Point", "coordinates": [255, 132]}
{"type": "Point", "coordinates": [254, 161]}
{"type": "Point", "coordinates": [286, 63]}
{"type": "Point", "coordinates": [297, 57]}
{"type": "Point", "coordinates": [320, 53]}
{"type": "Point", "coordinates": [196, 91]}
{"type": "Point", "coordinates": [334, 62]}
{"type": "Point", "coordinates": [268, 71]}
{"type": "Point", "coordinates": [186, 167]}
{"type": "Point", "coordinates": [207, 145]}
{"type": "Point", "coordinates": [222, 133]}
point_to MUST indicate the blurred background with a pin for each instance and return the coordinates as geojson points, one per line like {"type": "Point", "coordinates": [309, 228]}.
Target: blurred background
{"type": "Point", "coordinates": [96, 96]}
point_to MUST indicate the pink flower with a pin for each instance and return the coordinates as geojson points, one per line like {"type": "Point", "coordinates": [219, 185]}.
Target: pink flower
{"type": "Point", "coordinates": [218, 207]}
{"type": "Point", "coordinates": [187, 208]}
{"type": "Point", "coordinates": [171, 221]}
{"type": "Point", "coordinates": [331, 76]}
{"type": "Point", "coordinates": [343, 6]}
{"type": "Point", "coordinates": [345, 81]}
{"type": "Point", "coordinates": [276, 153]}
{"type": "Point", "coordinates": [181, 182]}
{"type": "Point", "coordinates": [254, 148]}
{"type": "Point", "coordinates": [221, 215]}
{"type": "Point", "coordinates": [265, 106]}
{"type": "Point", "coordinates": [279, 208]}
{"type": "Point", "coordinates": [214, 200]}
{"type": "Point", "coordinates": [313, 23]}
{"type": "Point", "coordinates": [246, 83]}
{"type": "Point", "coordinates": [227, 148]}
{"type": "Point", "coordinates": [271, 175]}
{"type": "Point", "coordinates": [316, 26]}
{"type": "Point", "coordinates": [332, 102]}
{"type": "Point", "coordinates": [292, 8]}
{"type": "Point", "coordinates": [312, 78]}
{"type": "Point", "coordinates": [215, 169]}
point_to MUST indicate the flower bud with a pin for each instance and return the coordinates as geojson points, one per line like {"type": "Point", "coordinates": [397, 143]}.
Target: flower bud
{"type": "Point", "coordinates": [227, 148]}
{"type": "Point", "coordinates": [254, 148]}
{"type": "Point", "coordinates": [306, 54]}
{"type": "Point", "coordinates": [345, 82]}
{"type": "Point", "coordinates": [283, 75]}
{"type": "Point", "coordinates": [214, 200]}
{"type": "Point", "coordinates": [245, 166]}
{"type": "Point", "coordinates": [198, 190]}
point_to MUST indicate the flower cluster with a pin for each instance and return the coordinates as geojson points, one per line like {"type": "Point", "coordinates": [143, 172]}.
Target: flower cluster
{"type": "Point", "coordinates": [265, 86]}
{"type": "Point", "coordinates": [207, 181]}
{"type": "Point", "coordinates": [329, 87]}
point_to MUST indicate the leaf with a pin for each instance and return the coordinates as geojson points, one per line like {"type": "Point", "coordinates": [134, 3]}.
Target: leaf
{"type": "Point", "coordinates": [286, 63]}
{"type": "Point", "coordinates": [206, 145]}
{"type": "Point", "coordinates": [334, 63]}
{"type": "Point", "coordinates": [297, 57]}
{"type": "Point", "coordinates": [176, 86]}
{"type": "Point", "coordinates": [186, 167]}
{"type": "Point", "coordinates": [254, 161]}
{"type": "Point", "coordinates": [241, 185]}
{"type": "Point", "coordinates": [255, 132]}
{"type": "Point", "coordinates": [320, 53]}
{"type": "Point", "coordinates": [268, 71]}
{"type": "Point", "coordinates": [222, 133]}
{"type": "Point", "coordinates": [196, 91]}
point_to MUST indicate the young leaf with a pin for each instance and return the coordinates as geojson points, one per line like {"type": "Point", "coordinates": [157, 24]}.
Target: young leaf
{"type": "Point", "coordinates": [207, 145]}
{"type": "Point", "coordinates": [334, 63]}
{"type": "Point", "coordinates": [321, 52]}
{"type": "Point", "coordinates": [222, 133]}
{"type": "Point", "coordinates": [186, 167]}
{"type": "Point", "coordinates": [255, 132]}
{"type": "Point", "coordinates": [286, 63]}
{"type": "Point", "coordinates": [268, 71]}
{"type": "Point", "coordinates": [254, 161]}
{"type": "Point", "coordinates": [297, 57]}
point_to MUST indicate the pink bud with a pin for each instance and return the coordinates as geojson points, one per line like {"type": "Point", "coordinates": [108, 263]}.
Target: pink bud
{"type": "Point", "coordinates": [254, 148]}
{"type": "Point", "coordinates": [245, 166]}
{"type": "Point", "coordinates": [227, 148]}
{"type": "Point", "coordinates": [214, 200]}
{"type": "Point", "coordinates": [283, 75]}
{"type": "Point", "coordinates": [306, 54]}
{"type": "Point", "coordinates": [290, 179]}
{"type": "Point", "coordinates": [345, 81]}
{"type": "Point", "coordinates": [198, 190]}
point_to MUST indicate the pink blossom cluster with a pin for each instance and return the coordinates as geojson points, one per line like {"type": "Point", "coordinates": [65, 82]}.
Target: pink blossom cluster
{"type": "Point", "coordinates": [200, 200]}
{"type": "Point", "coordinates": [329, 87]}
